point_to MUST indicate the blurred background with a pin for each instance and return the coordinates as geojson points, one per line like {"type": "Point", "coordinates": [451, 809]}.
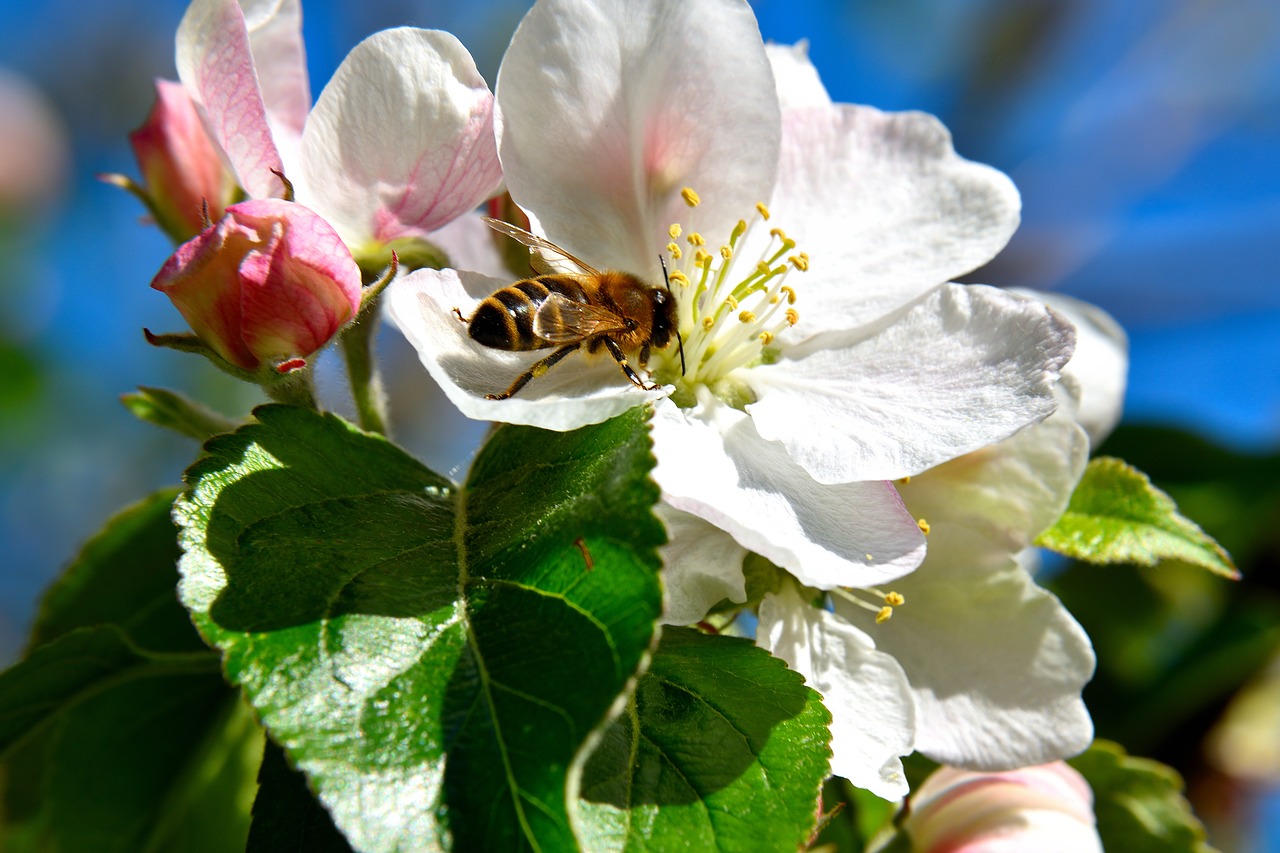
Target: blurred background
{"type": "Point", "coordinates": [1145, 139]}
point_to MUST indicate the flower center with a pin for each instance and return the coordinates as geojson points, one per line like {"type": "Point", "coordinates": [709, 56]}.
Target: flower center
{"type": "Point", "coordinates": [731, 308]}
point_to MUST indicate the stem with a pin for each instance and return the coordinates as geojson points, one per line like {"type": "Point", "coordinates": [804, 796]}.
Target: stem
{"type": "Point", "coordinates": [294, 389]}
{"type": "Point", "coordinates": [362, 370]}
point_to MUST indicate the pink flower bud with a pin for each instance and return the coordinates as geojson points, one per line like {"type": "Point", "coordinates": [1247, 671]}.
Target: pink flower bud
{"type": "Point", "coordinates": [271, 281]}
{"type": "Point", "coordinates": [181, 166]}
{"type": "Point", "coordinates": [1047, 808]}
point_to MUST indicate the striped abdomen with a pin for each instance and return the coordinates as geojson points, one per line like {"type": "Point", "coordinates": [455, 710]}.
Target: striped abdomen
{"type": "Point", "coordinates": [505, 319]}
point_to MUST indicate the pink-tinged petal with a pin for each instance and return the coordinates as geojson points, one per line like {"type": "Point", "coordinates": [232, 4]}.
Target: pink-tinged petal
{"type": "Point", "coordinates": [401, 141]}
{"type": "Point", "coordinates": [713, 464]}
{"type": "Point", "coordinates": [1099, 370]}
{"type": "Point", "coordinates": [701, 566]}
{"type": "Point", "coordinates": [872, 716]}
{"type": "Point", "coordinates": [300, 287]}
{"type": "Point", "coordinates": [799, 86]}
{"type": "Point", "coordinates": [996, 663]}
{"type": "Point", "coordinates": [1046, 808]}
{"type": "Point", "coordinates": [181, 166]}
{"type": "Point", "coordinates": [216, 66]}
{"type": "Point", "coordinates": [885, 208]}
{"type": "Point", "coordinates": [606, 110]}
{"type": "Point", "coordinates": [961, 368]}
{"type": "Point", "coordinates": [202, 279]}
{"type": "Point", "coordinates": [583, 389]}
{"type": "Point", "coordinates": [275, 39]}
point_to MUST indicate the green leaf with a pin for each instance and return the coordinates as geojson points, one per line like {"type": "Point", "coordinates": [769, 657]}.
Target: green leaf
{"type": "Point", "coordinates": [286, 815]}
{"type": "Point", "coordinates": [442, 652]}
{"type": "Point", "coordinates": [722, 748]}
{"type": "Point", "coordinates": [1117, 516]}
{"type": "Point", "coordinates": [125, 576]}
{"type": "Point", "coordinates": [171, 410]}
{"type": "Point", "coordinates": [1139, 803]}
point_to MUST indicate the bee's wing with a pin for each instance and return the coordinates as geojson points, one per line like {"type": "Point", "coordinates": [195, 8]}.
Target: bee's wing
{"type": "Point", "coordinates": [546, 257]}
{"type": "Point", "coordinates": [560, 320]}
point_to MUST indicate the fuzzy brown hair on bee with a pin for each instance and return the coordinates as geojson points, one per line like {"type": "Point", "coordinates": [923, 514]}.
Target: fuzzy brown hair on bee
{"type": "Point", "coordinates": [571, 305]}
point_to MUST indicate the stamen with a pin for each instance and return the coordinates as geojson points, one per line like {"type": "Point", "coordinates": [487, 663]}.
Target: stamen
{"type": "Point", "coordinates": [674, 250]}
{"type": "Point", "coordinates": [690, 197]}
{"type": "Point", "coordinates": [885, 614]}
{"type": "Point", "coordinates": [800, 261]}
{"type": "Point", "coordinates": [675, 230]}
{"type": "Point", "coordinates": [791, 294]}
{"type": "Point", "coordinates": [793, 317]}
{"type": "Point", "coordinates": [923, 525]}
{"type": "Point", "coordinates": [764, 211]}
{"type": "Point", "coordinates": [696, 239]}
{"type": "Point", "coordinates": [679, 277]}
{"type": "Point", "coordinates": [766, 338]}
{"type": "Point", "coordinates": [726, 252]}
{"type": "Point", "coordinates": [746, 317]}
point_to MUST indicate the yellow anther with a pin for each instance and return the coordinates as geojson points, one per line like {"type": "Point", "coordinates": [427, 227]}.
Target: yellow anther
{"type": "Point", "coordinates": [774, 299]}
{"type": "Point", "coordinates": [800, 262]}
{"type": "Point", "coordinates": [708, 322]}
{"type": "Point", "coordinates": [674, 250]}
{"type": "Point", "coordinates": [763, 268]}
{"type": "Point", "coordinates": [793, 316]}
{"type": "Point", "coordinates": [869, 557]}
{"type": "Point", "coordinates": [679, 277]}
{"type": "Point", "coordinates": [690, 197]}
{"type": "Point", "coordinates": [779, 233]}
{"type": "Point", "coordinates": [746, 317]}
{"type": "Point", "coordinates": [701, 258]}
{"type": "Point", "coordinates": [791, 294]}
{"type": "Point", "coordinates": [696, 239]}
{"type": "Point", "coordinates": [885, 614]}
{"type": "Point", "coordinates": [731, 302]}
{"type": "Point", "coordinates": [894, 599]}
{"type": "Point", "coordinates": [726, 252]}
{"type": "Point", "coordinates": [766, 338]}
{"type": "Point", "coordinates": [905, 480]}
{"type": "Point", "coordinates": [738, 230]}
{"type": "Point", "coordinates": [675, 230]}
{"type": "Point", "coordinates": [923, 525]}
{"type": "Point", "coordinates": [764, 211]}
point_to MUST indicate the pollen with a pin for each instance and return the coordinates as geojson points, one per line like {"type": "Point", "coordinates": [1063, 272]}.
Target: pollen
{"type": "Point", "coordinates": [793, 316]}
{"type": "Point", "coordinates": [675, 230]}
{"type": "Point", "coordinates": [766, 338]}
{"type": "Point", "coordinates": [675, 251]}
{"type": "Point", "coordinates": [731, 302]}
{"type": "Point", "coordinates": [800, 262]}
{"type": "Point", "coordinates": [746, 317]}
{"type": "Point", "coordinates": [905, 480]}
{"type": "Point", "coordinates": [679, 277]}
{"type": "Point", "coordinates": [923, 525]}
{"type": "Point", "coordinates": [763, 210]}
{"type": "Point", "coordinates": [708, 322]}
{"type": "Point", "coordinates": [894, 599]}
{"type": "Point", "coordinates": [702, 258]}
{"type": "Point", "coordinates": [885, 614]}
{"type": "Point", "coordinates": [696, 239]}
{"type": "Point", "coordinates": [726, 252]}
{"type": "Point", "coordinates": [690, 197]}
{"type": "Point", "coordinates": [791, 294]}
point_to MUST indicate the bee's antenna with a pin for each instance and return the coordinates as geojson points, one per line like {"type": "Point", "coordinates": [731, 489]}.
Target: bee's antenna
{"type": "Point", "coordinates": [679, 340]}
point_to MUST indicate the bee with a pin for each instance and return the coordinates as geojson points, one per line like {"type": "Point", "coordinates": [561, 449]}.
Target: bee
{"type": "Point", "coordinates": [571, 305]}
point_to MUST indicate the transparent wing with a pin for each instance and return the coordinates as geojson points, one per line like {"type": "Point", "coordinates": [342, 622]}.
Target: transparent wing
{"type": "Point", "coordinates": [560, 320]}
{"type": "Point", "coordinates": [546, 257]}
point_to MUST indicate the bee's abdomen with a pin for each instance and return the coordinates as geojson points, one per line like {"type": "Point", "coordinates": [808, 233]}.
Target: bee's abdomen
{"type": "Point", "coordinates": [505, 319]}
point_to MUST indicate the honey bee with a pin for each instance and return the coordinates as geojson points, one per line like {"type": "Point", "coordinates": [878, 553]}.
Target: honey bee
{"type": "Point", "coordinates": [571, 305]}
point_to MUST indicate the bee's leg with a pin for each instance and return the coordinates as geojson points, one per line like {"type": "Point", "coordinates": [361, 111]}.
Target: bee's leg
{"type": "Point", "coordinates": [533, 372]}
{"type": "Point", "coordinates": [458, 314]}
{"type": "Point", "coordinates": [644, 356]}
{"type": "Point", "coordinates": [616, 352]}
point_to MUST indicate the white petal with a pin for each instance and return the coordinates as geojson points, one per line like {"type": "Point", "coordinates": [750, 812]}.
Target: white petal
{"type": "Point", "coordinates": [581, 390]}
{"type": "Point", "coordinates": [713, 464]}
{"type": "Point", "coordinates": [702, 566]}
{"type": "Point", "coordinates": [1099, 369]}
{"type": "Point", "coordinates": [216, 66]}
{"type": "Point", "coordinates": [1008, 492]}
{"type": "Point", "coordinates": [961, 368]}
{"type": "Point", "coordinates": [401, 141]}
{"type": "Point", "coordinates": [472, 245]}
{"type": "Point", "coordinates": [608, 108]}
{"type": "Point", "coordinates": [885, 208]}
{"type": "Point", "coordinates": [872, 713]}
{"type": "Point", "coordinates": [799, 86]}
{"type": "Point", "coordinates": [996, 664]}
{"type": "Point", "coordinates": [275, 39]}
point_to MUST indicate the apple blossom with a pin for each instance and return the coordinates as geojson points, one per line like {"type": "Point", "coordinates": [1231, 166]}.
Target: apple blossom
{"type": "Point", "coordinates": [271, 281]}
{"type": "Point", "coordinates": [1047, 808]}
{"type": "Point", "coordinates": [184, 176]}
{"type": "Point", "coordinates": [656, 129]}
{"type": "Point", "coordinates": [399, 143]}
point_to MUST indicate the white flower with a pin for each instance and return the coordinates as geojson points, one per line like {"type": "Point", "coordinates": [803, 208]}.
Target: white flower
{"type": "Point", "coordinates": [399, 144]}
{"type": "Point", "coordinates": [624, 127]}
